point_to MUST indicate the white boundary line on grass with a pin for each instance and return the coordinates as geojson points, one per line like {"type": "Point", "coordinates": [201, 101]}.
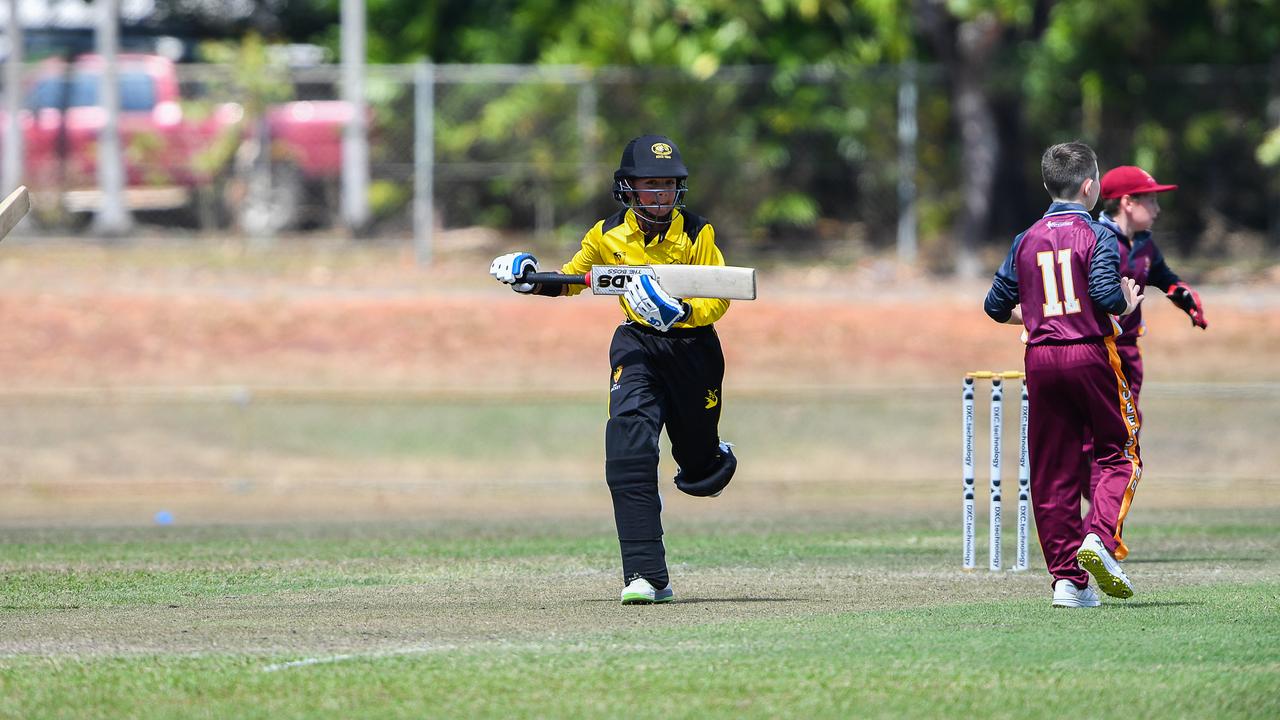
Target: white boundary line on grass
{"type": "Point", "coordinates": [307, 661]}
{"type": "Point", "coordinates": [355, 656]}
{"type": "Point", "coordinates": [581, 646]}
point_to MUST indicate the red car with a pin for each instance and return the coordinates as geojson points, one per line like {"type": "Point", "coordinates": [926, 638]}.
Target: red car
{"type": "Point", "coordinates": [170, 153]}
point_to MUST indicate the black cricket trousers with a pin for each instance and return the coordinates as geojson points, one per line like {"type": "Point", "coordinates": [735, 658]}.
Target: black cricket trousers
{"type": "Point", "coordinates": [658, 379]}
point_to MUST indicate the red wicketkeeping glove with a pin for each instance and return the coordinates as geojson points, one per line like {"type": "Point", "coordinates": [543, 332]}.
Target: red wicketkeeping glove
{"type": "Point", "coordinates": [1189, 300]}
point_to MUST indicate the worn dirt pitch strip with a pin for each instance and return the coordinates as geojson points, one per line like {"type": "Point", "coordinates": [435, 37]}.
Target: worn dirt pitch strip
{"type": "Point", "coordinates": [57, 605]}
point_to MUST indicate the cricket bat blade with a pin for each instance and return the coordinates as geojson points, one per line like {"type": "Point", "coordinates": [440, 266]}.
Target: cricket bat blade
{"type": "Point", "coordinates": [13, 209]}
{"type": "Point", "coordinates": [683, 281]}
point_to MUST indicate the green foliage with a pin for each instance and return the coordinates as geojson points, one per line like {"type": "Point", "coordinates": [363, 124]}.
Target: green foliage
{"type": "Point", "coordinates": [1269, 150]}
{"type": "Point", "coordinates": [258, 80]}
{"type": "Point", "coordinates": [1148, 82]}
{"type": "Point", "coordinates": [146, 150]}
{"type": "Point", "coordinates": [1151, 141]}
{"type": "Point", "coordinates": [792, 208]}
{"type": "Point", "coordinates": [386, 197]}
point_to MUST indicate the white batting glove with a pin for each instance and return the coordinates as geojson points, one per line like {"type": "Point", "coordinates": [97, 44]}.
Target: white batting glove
{"type": "Point", "coordinates": [654, 305]}
{"type": "Point", "coordinates": [511, 267]}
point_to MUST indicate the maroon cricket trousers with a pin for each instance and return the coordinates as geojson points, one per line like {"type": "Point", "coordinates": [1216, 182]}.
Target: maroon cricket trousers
{"type": "Point", "coordinates": [1078, 391]}
{"type": "Point", "coordinates": [1131, 364]}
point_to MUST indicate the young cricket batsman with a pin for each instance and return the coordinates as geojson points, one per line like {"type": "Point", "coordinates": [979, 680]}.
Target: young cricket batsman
{"type": "Point", "coordinates": [665, 362]}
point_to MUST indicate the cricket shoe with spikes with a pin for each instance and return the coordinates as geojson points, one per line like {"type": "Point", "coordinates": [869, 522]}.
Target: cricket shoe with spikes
{"type": "Point", "coordinates": [642, 592]}
{"type": "Point", "coordinates": [1067, 595]}
{"type": "Point", "coordinates": [1094, 557]}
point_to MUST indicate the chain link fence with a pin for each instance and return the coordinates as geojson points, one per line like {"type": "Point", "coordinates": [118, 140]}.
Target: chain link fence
{"type": "Point", "coordinates": [795, 161]}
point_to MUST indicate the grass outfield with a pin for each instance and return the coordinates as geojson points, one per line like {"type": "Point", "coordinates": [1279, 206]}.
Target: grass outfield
{"type": "Point", "coordinates": [103, 459]}
{"type": "Point", "coordinates": [835, 617]}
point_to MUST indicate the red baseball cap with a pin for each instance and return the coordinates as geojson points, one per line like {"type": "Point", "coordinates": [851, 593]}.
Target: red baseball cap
{"type": "Point", "coordinates": [1130, 180]}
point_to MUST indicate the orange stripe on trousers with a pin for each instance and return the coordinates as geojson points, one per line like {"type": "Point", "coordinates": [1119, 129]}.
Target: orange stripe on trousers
{"type": "Point", "coordinates": [1131, 452]}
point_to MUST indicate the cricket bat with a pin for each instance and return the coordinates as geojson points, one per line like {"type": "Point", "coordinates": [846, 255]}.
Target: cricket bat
{"type": "Point", "coordinates": [683, 281]}
{"type": "Point", "coordinates": [13, 209]}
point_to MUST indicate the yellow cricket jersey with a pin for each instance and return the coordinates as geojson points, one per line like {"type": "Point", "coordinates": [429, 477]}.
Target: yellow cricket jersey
{"type": "Point", "coordinates": [618, 240]}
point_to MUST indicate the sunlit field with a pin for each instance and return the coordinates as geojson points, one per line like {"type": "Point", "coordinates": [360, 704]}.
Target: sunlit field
{"type": "Point", "coordinates": [288, 486]}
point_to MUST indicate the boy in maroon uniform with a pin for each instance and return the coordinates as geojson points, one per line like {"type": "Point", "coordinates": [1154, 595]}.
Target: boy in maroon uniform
{"type": "Point", "coordinates": [1129, 209]}
{"type": "Point", "coordinates": [1064, 272]}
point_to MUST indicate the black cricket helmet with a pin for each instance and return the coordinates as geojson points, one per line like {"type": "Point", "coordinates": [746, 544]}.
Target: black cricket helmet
{"type": "Point", "coordinates": [650, 156]}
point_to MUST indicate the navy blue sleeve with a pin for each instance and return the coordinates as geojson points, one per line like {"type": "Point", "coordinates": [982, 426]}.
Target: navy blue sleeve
{"type": "Point", "coordinates": [1160, 275]}
{"type": "Point", "coordinates": [1002, 298]}
{"type": "Point", "coordinates": [1104, 272]}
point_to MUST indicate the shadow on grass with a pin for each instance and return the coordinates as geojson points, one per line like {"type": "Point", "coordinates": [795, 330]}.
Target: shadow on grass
{"type": "Point", "coordinates": [1153, 561]}
{"type": "Point", "coordinates": [695, 601]}
{"type": "Point", "coordinates": [1151, 604]}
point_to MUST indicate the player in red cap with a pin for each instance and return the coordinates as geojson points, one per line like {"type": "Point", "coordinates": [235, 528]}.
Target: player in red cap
{"type": "Point", "coordinates": [1129, 209]}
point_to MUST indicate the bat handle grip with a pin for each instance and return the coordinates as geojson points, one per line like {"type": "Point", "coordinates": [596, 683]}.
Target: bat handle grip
{"type": "Point", "coordinates": [550, 278]}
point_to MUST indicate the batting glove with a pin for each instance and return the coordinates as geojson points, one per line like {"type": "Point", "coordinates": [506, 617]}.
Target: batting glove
{"type": "Point", "coordinates": [655, 306]}
{"type": "Point", "coordinates": [1189, 301]}
{"type": "Point", "coordinates": [513, 266]}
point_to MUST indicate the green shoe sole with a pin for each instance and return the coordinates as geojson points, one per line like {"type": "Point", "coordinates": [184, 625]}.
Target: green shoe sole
{"type": "Point", "coordinates": [1110, 584]}
{"type": "Point", "coordinates": [644, 600]}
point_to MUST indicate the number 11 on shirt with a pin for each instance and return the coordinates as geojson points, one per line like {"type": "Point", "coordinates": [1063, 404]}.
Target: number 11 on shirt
{"type": "Point", "coordinates": [1052, 305]}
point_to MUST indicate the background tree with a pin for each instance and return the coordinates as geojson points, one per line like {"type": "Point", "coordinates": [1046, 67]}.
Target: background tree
{"type": "Point", "coordinates": [1181, 87]}
{"type": "Point", "coordinates": [968, 39]}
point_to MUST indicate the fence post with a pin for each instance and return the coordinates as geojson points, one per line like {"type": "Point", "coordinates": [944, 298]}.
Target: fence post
{"type": "Point", "coordinates": [13, 140]}
{"type": "Point", "coordinates": [424, 158]}
{"type": "Point", "coordinates": [113, 219]}
{"type": "Point", "coordinates": [1273, 118]}
{"type": "Point", "coordinates": [355, 137]}
{"type": "Point", "coordinates": [907, 133]}
{"type": "Point", "coordinates": [588, 133]}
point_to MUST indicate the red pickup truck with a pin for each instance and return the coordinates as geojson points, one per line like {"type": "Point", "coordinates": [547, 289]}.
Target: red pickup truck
{"type": "Point", "coordinates": [167, 146]}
